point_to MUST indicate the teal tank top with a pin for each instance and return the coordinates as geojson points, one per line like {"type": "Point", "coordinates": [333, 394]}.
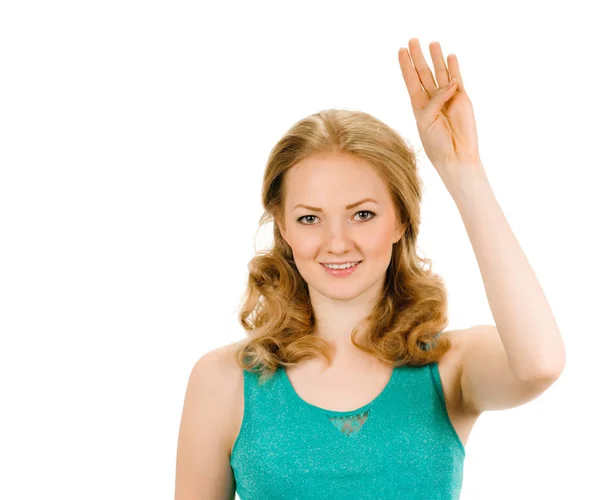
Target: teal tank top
{"type": "Point", "coordinates": [401, 445]}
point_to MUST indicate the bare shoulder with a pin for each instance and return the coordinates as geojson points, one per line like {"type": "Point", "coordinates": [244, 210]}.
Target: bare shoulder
{"type": "Point", "coordinates": [203, 469]}
{"type": "Point", "coordinates": [231, 381]}
{"type": "Point", "coordinates": [226, 373]}
{"type": "Point", "coordinates": [223, 360]}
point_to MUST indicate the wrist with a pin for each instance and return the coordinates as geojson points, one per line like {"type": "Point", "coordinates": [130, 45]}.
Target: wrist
{"type": "Point", "coordinates": [462, 179]}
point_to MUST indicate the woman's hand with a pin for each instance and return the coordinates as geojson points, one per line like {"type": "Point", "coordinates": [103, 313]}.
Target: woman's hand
{"type": "Point", "coordinates": [444, 113]}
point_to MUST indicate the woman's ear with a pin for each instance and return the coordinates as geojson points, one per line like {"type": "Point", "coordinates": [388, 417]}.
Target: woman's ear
{"type": "Point", "coordinates": [281, 227]}
{"type": "Point", "coordinates": [399, 232]}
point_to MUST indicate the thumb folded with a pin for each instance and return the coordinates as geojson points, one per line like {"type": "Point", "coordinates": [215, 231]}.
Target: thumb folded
{"type": "Point", "coordinates": [443, 96]}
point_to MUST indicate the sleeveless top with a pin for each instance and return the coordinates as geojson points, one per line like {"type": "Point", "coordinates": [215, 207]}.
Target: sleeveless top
{"type": "Point", "coordinates": [401, 445]}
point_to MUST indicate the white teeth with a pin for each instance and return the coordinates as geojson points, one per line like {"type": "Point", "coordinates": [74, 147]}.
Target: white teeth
{"type": "Point", "coordinates": [340, 266]}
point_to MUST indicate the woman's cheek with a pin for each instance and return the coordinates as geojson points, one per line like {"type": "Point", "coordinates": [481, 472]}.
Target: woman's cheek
{"type": "Point", "coordinates": [304, 245]}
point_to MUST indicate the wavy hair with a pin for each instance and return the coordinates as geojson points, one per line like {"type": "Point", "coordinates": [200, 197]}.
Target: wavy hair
{"type": "Point", "coordinates": [405, 325]}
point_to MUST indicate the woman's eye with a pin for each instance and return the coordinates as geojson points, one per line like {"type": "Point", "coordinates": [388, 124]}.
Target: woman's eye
{"type": "Point", "coordinates": [306, 217]}
{"type": "Point", "coordinates": [300, 219]}
{"type": "Point", "coordinates": [366, 212]}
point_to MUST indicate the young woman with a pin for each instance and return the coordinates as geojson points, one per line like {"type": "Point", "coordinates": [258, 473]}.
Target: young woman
{"type": "Point", "coordinates": [347, 385]}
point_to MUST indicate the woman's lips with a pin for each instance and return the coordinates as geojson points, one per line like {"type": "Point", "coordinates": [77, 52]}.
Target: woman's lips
{"type": "Point", "coordinates": [342, 272]}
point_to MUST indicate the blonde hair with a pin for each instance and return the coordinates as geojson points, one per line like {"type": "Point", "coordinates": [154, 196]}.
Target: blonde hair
{"type": "Point", "coordinates": [276, 311]}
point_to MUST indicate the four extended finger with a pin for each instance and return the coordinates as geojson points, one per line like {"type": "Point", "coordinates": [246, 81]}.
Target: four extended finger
{"type": "Point", "coordinates": [439, 64]}
{"type": "Point", "coordinates": [454, 71]}
{"type": "Point", "coordinates": [425, 74]}
{"type": "Point", "coordinates": [418, 97]}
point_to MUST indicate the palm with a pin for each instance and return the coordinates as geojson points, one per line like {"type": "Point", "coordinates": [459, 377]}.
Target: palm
{"type": "Point", "coordinates": [446, 126]}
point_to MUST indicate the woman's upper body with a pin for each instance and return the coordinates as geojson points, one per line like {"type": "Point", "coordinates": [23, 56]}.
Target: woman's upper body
{"type": "Point", "coordinates": [343, 190]}
{"type": "Point", "coordinates": [213, 422]}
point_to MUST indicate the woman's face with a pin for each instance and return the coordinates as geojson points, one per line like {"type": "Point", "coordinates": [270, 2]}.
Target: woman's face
{"type": "Point", "coordinates": [335, 229]}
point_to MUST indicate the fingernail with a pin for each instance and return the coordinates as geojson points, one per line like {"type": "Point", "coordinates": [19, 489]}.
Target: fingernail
{"type": "Point", "coordinates": [451, 82]}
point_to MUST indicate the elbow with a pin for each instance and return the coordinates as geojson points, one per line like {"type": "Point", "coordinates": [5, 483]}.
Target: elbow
{"type": "Point", "coordinates": [549, 370]}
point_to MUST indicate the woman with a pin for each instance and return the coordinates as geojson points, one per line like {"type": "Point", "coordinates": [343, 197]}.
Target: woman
{"type": "Point", "coordinates": [347, 385]}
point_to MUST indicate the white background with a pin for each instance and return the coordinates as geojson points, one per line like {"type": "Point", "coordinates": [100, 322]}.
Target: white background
{"type": "Point", "coordinates": [133, 141]}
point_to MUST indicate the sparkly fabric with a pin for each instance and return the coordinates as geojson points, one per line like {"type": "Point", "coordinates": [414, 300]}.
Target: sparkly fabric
{"type": "Point", "coordinates": [401, 445]}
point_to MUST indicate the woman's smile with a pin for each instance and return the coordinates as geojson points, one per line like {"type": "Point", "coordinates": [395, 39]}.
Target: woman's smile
{"type": "Point", "coordinates": [342, 272]}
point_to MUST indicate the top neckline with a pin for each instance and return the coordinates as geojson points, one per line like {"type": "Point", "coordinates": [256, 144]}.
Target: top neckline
{"type": "Point", "coordinates": [319, 409]}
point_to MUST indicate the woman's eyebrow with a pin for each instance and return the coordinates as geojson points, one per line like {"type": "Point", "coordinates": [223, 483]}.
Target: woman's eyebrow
{"type": "Point", "coordinates": [348, 207]}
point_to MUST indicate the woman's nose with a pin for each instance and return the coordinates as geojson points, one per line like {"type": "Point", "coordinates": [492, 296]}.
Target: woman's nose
{"type": "Point", "coordinates": [338, 239]}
